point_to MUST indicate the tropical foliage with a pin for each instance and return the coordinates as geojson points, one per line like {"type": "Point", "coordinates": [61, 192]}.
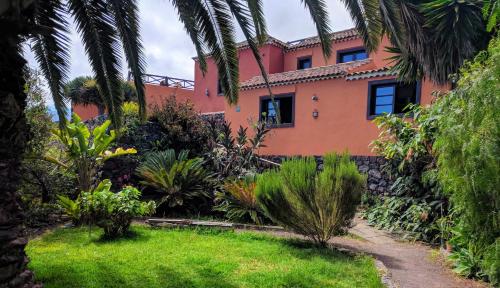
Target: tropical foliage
{"type": "Point", "coordinates": [178, 178]}
{"type": "Point", "coordinates": [315, 204]}
{"type": "Point", "coordinates": [87, 151]}
{"type": "Point", "coordinates": [234, 157]}
{"type": "Point", "coordinates": [416, 199]}
{"type": "Point", "coordinates": [111, 211]}
{"type": "Point", "coordinates": [238, 200]}
{"type": "Point", "coordinates": [469, 159]}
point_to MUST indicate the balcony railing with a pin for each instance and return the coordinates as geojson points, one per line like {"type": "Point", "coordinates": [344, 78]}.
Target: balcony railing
{"type": "Point", "coordinates": [165, 81]}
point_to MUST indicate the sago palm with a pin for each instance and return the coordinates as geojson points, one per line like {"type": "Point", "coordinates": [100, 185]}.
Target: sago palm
{"type": "Point", "coordinates": [104, 26]}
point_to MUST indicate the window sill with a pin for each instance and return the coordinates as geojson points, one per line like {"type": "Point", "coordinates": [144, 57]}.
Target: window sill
{"type": "Point", "coordinates": [401, 115]}
{"type": "Point", "coordinates": [285, 125]}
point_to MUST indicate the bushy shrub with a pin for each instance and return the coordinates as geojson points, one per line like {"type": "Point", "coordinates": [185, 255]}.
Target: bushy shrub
{"type": "Point", "coordinates": [238, 200]}
{"type": "Point", "coordinates": [315, 204]}
{"type": "Point", "coordinates": [114, 211]}
{"type": "Point", "coordinates": [416, 201]}
{"type": "Point", "coordinates": [111, 211]}
{"type": "Point", "coordinates": [182, 128]}
{"type": "Point", "coordinates": [179, 179]}
{"type": "Point", "coordinates": [468, 144]}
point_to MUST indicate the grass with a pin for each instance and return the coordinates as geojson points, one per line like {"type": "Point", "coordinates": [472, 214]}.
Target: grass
{"type": "Point", "coordinates": [191, 258]}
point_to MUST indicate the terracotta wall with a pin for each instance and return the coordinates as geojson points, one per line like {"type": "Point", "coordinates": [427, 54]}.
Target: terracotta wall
{"type": "Point", "coordinates": [342, 123]}
{"type": "Point", "coordinates": [155, 95]}
{"type": "Point", "coordinates": [290, 58]}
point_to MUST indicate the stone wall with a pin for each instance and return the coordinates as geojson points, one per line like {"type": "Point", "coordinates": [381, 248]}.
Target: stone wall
{"type": "Point", "coordinates": [378, 181]}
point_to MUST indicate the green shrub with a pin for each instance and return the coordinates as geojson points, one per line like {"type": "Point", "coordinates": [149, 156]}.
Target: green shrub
{"type": "Point", "coordinates": [178, 178]}
{"type": "Point", "coordinates": [113, 211]}
{"type": "Point", "coordinates": [71, 208]}
{"type": "Point", "coordinates": [238, 200]}
{"type": "Point", "coordinates": [315, 204]}
{"type": "Point", "coordinates": [417, 200]}
{"type": "Point", "coordinates": [469, 154]}
{"type": "Point", "coordinates": [182, 128]}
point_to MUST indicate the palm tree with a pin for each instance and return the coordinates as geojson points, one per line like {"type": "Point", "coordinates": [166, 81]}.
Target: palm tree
{"type": "Point", "coordinates": [429, 38]}
{"type": "Point", "coordinates": [84, 90]}
{"type": "Point", "coordinates": [104, 26]}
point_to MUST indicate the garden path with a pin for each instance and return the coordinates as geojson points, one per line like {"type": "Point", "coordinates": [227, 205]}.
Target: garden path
{"type": "Point", "coordinates": [411, 265]}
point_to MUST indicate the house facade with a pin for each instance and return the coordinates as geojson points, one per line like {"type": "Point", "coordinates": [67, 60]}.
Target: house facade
{"type": "Point", "coordinates": [325, 104]}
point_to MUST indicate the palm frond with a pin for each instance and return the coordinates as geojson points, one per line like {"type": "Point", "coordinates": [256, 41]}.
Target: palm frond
{"type": "Point", "coordinates": [368, 21]}
{"type": "Point", "coordinates": [95, 23]}
{"type": "Point", "coordinates": [188, 18]}
{"type": "Point", "coordinates": [391, 16]}
{"type": "Point", "coordinates": [217, 31]}
{"type": "Point", "coordinates": [127, 22]}
{"type": "Point", "coordinates": [259, 22]}
{"type": "Point", "coordinates": [457, 29]}
{"type": "Point", "coordinates": [319, 14]}
{"type": "Point", "coordinates": [51, 46]}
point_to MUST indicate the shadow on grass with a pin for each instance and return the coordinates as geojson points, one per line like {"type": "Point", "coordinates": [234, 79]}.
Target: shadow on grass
{"type": "Point", "coordinates": [305, 249]}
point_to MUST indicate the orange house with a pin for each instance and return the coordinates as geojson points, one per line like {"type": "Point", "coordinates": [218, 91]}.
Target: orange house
{"type": "Point", "coordinates": [325, 104]}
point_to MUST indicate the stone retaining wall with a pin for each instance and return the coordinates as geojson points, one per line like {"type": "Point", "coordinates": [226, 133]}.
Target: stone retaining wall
{"type": "Point", "coordinates": [378, 181]}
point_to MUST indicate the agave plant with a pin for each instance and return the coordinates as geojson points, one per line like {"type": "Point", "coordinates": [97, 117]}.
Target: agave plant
{"type": "Point", "coordinates": [178, 178]}
{"type": "Point", "coordinates": [86, 151]}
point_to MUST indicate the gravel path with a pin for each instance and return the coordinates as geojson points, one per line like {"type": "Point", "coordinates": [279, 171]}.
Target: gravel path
{"type": "Point", "coordinates": [410, 264]}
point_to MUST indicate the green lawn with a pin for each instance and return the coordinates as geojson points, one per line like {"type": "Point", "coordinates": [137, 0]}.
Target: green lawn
{"type": "Point", "coordinates": [191, 258]}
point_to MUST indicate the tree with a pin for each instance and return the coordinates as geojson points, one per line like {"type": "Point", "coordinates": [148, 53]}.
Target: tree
{"type": "Point", "coordinates": [429, 38]}
{"type": "Point", "coordinates": [103, 26]}
{"type": "Point", "coordinates": [84, 90]}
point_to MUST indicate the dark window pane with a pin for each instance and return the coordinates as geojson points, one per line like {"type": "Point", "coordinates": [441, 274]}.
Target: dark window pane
{"type": "Point", "coordinates": [405, 94]}
{"type": "Point", "coordinates": [383, 109]}
{"type": "Point", "coordinates": [353, 56]}
{"type": "Point", "coordinates": [384, 100]}
{"type": "Point", "coordinates": [304, 63]}
{"type": "Point", "coordinates": [285, 105]}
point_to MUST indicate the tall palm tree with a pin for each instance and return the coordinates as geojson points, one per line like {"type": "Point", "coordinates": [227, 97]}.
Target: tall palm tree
{"type": "Point", "coordinates": [104, 26]}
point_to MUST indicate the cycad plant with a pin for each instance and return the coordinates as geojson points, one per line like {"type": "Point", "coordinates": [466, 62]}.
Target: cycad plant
{"type": "Point", "coordinates": [315, 204]}
{"type": "Point", "coordinates": [178, 178]}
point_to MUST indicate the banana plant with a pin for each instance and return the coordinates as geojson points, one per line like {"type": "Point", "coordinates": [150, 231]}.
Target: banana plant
{"type": "Point", "coordinates": [86, 151]}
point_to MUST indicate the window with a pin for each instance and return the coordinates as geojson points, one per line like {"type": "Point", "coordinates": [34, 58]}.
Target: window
{"type": "Point", "coordinates": [390, 96]}
{"type": "Point", "coordinates": [284, 103]}
{"type": "Point", "coordinates": [220, 90]}
{"type": "Point", "coordinates": [304, 62]}
{"type": "Point", "coordinates": [349, 55]}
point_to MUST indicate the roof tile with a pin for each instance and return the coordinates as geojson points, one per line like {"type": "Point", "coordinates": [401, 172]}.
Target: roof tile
{"type": "Point", "coordinates": [305, 75]}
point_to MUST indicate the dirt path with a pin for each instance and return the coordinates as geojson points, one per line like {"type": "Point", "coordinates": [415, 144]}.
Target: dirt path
{"type": "Point", "coordinates": [410, 264]}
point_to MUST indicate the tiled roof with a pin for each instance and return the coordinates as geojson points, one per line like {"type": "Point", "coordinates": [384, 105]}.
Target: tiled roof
{"type": "Point", "coordinates": [270, 40]}
{"type": "Point", "coordinates": [312, 41]}
{"type": "Point", "coordinates": [370, 73]}
{"type": "Point", "coordinates": [305, 75]}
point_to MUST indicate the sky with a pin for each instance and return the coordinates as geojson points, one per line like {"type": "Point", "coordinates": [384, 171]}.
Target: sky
{"type": "Point", "coordinates": [169, 51]}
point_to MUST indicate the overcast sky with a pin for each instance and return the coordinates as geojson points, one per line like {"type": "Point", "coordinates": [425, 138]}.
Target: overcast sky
{"type": "Point", "coordinates": [169, 50]}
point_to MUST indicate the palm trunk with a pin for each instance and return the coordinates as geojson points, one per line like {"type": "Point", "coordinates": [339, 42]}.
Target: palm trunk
{"type": "Point", "coordinates": [13, 137]}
